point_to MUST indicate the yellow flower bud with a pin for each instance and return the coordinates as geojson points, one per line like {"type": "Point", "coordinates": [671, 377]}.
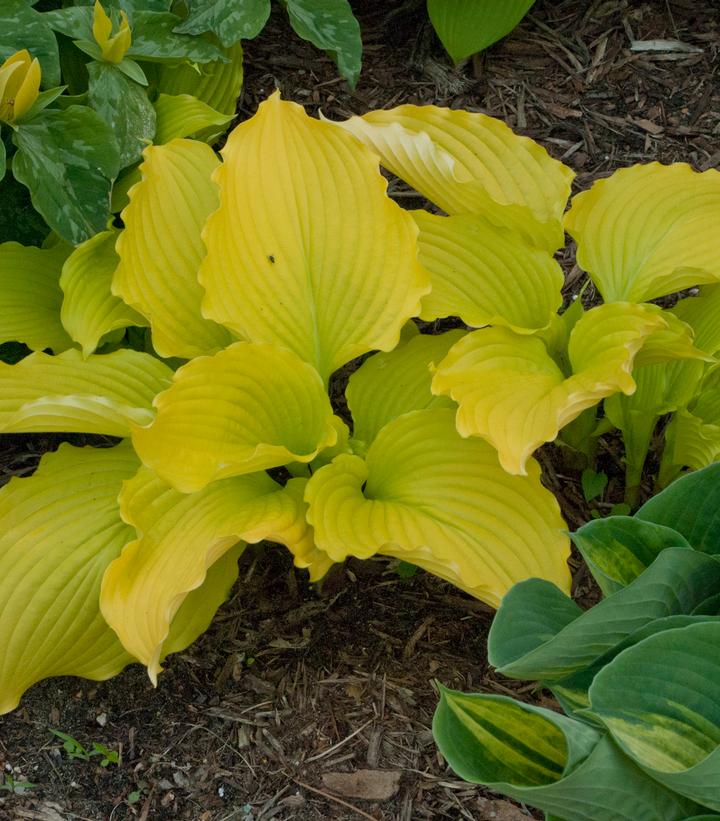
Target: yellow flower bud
{"type": "Point", "coordinates": [19, 85]}
{"type": "Point", "coordinates": [112, 46]}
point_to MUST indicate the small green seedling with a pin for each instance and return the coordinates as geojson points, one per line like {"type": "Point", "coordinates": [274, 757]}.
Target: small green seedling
{"type": "Point", "coordinates": [10, 785]}
{"type": "Point", "coordinates": [593, 484]}
{"type": "Point", "coordinates": [75, 749]}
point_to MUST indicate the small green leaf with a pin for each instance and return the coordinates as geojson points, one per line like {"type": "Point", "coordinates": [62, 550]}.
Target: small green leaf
{"type": "Point", "coordinates": [405, 570]}
{"type": "Point", "coordinates": [132, 70]}
{"type": "Point", "coordinates": [155, 39]}
{"type": "Point", "coordinates": [23, 27]}
{"type": "Point", "coordinates": [44, 99]}
{"type": "Point", "coordinates": [593, 484]}
{"type": "Point", "coordinates": [330, 25]}
{"type": "Point", "coordinates": [125, 107]}
{"type": "Point", "coordinates": [230, 20]}
{"type": "Point", "coordinates": [67, 160]}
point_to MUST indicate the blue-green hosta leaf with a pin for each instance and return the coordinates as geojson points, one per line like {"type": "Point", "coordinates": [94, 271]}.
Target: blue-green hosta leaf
{"type": "Point", "coordinates": [124, 105]}
{"type": "Point", "coordinates": [619, 548]}
{"type": "Point", "coordinates": [30, 296]}
{"type": "Point", "coordinates": [544, 759]}
{"type": "Point", "coordinates": [690, 505]}
{"type": "Point", "coordinates": [660, 700]}
{"type": "Point", "coordinates": [155, 39]}
{"type": "Point", "coordinates": [468, 26]}
{"type": "Point", "coordinates": [23, 27]}
{"type": "Point", "coordinates": [67, 160]}
{"type": "Point", "coordinates": [230, 20]}
{"type": "Point", "coordinates": [89, 309]}
{"type": "Point", "coordinates": [675, 584]}
{"type": "Point", "coordinates": [330, 25]}
{"type": "Point", "coordinates": [389, 384]}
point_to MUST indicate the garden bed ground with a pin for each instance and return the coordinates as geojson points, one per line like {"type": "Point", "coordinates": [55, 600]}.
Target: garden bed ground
{"type": "Point", "coordinates": [292, 685]}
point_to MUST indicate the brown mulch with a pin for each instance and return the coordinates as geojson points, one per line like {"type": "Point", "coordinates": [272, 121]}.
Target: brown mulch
{"type": "Point", "coordinates": [295, 690]}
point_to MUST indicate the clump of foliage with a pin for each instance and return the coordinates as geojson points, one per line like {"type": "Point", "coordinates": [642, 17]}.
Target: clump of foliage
{"type": "Point", "coordinates": [637, 674]}
{"type": "Point", "coordinates": [205, 333]}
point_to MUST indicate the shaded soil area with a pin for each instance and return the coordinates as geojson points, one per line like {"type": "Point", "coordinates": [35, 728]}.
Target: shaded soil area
{"type": "Point", "coordinates": [296, 684]}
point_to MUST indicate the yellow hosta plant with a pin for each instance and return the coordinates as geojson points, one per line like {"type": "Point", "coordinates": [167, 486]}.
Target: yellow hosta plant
{"type": "Point", "coordinates": [256, 276]}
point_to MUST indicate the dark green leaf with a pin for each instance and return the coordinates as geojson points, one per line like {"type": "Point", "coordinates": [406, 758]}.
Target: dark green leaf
{"type": "Point", "coordinates": [74, 22]}
{"type": "Point", "coordinates": [44, 99]}
{"type": "Point", "coordinates": [3, 160]}
{"type": "Point", "coordinates": [23, 27]}
{"type": "Point", "coordinates": [18, 219]}
{"type": "Point", "coordinates": [690, 505]}
{"type": "Point", "coordinates": [468, 26]}
{"type": "Point", "coordinates": [330, 25]}
{"type": "Point", "coordinates": [67, 160]}
{"type": "Point", "coordinates": [593, 484]}
{"type": "Point", "coordinates": [154, 39]}
{"type": "Point", "coordinates": [230, 20]}
{"type": "Point", "coordinates": [124, 105]}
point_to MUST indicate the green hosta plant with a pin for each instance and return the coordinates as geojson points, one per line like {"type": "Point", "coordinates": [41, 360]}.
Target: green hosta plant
{"type": "Point", "coordinates": [638, 675]}
{"type": "Point", "coordinates": [65, 145]}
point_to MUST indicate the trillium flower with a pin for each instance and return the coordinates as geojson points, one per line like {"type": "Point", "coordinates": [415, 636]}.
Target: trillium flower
{"type": "Point", "coordinates": [19, 85]}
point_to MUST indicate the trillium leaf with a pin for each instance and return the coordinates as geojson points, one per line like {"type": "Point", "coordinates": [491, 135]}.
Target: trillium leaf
{"type": "Point", "coordinates": [331, 26]}
{"type": "Point", "coordinates": [89, 310]}
{"type": "Point", "coordinates": [218, 84]}
{"type": "Point", "coordinates": [296, 194]}
{"type": "Point", "coordinates": [30, 296]}
{"type": "Point", "coordinates": [514, 394]}
{"type": "Point", "coordinates": [468, 163]}
{"type": "Point", "coordinates": [619, 548]}
{"type": "Point", "coordinates": [182, 536]}
{"type": "Point", "coordinates": [100, 394]}
{"type": "Point", "coordinates": [388, 385]}
{"type": "Point", "coordinates": [648, 230]}
{"type": "Point", "coordinates": [660, 700]}
{"type": "Point", "coordinates": [486, 275]}
{"type": "Point", "coordinates": [248, 408]}
{"type": "Point", "coordinates": [675, 584]}
{"type": "Point", "coordinates": [183, 115]}
{"type": "Point", "coordinates": [155, 39]}
{"type": "Point", "coordinates": [229, 20]}
{"type": "Point", "coordinates": [60, 529]}
{"type": "Point", "coordinates": [160, 249]}
{"type": "Point", "coordinates": [544, 759]}
{"type": "Point", "coordinates": [67, 159]}
{"type": "Point", "coordinates": [124, 105]}
{"type": "Point", "coordinates": [468, 26]}
{"type": "Point", "coordinates": [22, 26]}
{"type": "Point", "coordinates": [428, 497]}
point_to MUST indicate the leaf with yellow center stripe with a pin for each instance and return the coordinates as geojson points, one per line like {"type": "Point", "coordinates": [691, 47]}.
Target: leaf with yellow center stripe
{"type": "Point", "coordinates": [306, 250]}
{"type": "Point", "coordinates": [247, 408]}
{"type": "Point", "coordinates": [425, 495]}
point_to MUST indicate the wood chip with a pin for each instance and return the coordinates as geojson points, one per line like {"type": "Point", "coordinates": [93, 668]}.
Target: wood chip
{"type": "Point", "coordinates": [371, 785]}
{"type": "Point", "coordinates": [664, 45]}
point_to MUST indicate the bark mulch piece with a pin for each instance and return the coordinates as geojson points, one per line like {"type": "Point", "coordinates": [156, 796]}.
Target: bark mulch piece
{"type": "Point", "coordinates": [296, 692]}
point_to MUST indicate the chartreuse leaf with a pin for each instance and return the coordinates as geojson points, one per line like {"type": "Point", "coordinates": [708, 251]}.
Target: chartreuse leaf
{"type": "Point", "coordinates": [648, 230]}
{"type": "Point", "coordinates": [702, 313]}
{"type": "Point", "coordinates": [182, 536]}
{"type": "Point", "coordinates": [23, 27]}
{"type": "Point", "coordinates": [100, 394]}
{"type": "Point", "coordinates": [217, 83]}
{"type": "Point", "coordinates": [229, 20]}
{"type": "Point", "coordinates": [183, 115]}
{"type": "Point", "coordinates": [544, 759]}
{"type": "Point", "coordinates": [247, 408]}
{"type": "Point", "coordinates": [123, 104]}
{"type": "Point", "coordinates": [425, 496]}
{"type": "Point", "coordinates": [513, 393]}
{"type": "Point", "coordinates": [310, 192]}
{"type": "Point", "coordinates": [61, 528]}
{"type": "Point", "coordinates": [691, 506]}
{"type": "Point", "coordinates": [30, 296]}
{"type": "Point", "coordinates": [486, 275]}
{"type": "Point", "coordinates": [468, 26]}
{"type": "Point", "coordinates": [67, 159]}
{"type": "Point", "coordinates": [619, 548]}
{"type": "Point", "coordinates": [660, 700]}
{"type": "Point", "coordinates": [89, 310]}
{"type": "Point", "coordinates": [155, 39]}
{"type": "Point", "coordinates": [160, 249]}
{"type": "Point", "coordinates": [675, 584]}
{"type": "Point", "coordinates": [469, 163]}
{"type": "Point", "coordinates": [675, 341]}
{"type": "Point", "coordinates": [330, 25]}
{"type": "Point", "coordinates": [388, 385]}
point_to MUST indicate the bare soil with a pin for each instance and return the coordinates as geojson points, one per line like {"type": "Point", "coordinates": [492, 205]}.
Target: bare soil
{"type": "Point", "coordinates": [295, 684]}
